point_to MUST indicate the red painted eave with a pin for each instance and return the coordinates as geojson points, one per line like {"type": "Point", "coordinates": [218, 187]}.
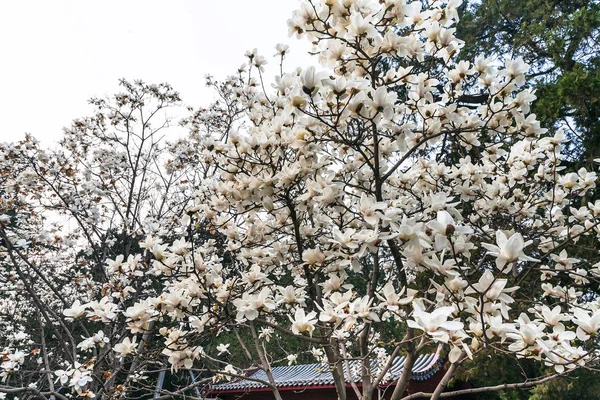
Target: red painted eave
{"type": "Point", "coordinates": [298, 388]}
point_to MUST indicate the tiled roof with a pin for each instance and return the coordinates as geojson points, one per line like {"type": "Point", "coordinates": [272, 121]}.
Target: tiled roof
{"type": "Point", "coordinates": [305, 375]}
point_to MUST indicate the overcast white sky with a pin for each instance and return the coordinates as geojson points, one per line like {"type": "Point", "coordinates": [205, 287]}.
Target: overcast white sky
{"type": "Point", "coordinates": [57, 54]}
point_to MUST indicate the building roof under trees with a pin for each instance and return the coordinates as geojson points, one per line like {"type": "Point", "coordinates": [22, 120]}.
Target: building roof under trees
{"type": "Point", "coordinates": [308, 376]}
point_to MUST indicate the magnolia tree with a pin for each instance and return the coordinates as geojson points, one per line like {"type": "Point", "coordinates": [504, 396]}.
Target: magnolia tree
{"type": "Point", "coordinates": [64, 214]}
{"type": "Point", "coordinates": [382, 204]}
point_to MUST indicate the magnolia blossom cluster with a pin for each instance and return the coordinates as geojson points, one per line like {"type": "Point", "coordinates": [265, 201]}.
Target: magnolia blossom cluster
{"type": "Point", "coordinates": [78, 378]}
{"type": "Point", "coordinates": [387, 202]}
{"type": "Point", "coordinates": [355, 172]}
{"type": "Point", "coordinates": [11, 362]}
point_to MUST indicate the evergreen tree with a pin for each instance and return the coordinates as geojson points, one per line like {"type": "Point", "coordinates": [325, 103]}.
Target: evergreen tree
{"type": "Point", "coordinates": [560, 41]}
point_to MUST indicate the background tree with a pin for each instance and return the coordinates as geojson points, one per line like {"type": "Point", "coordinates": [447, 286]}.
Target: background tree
{"type": "Point", "coordinates": [560, 42]}
{"type": "Point", "coordinates": [68, 210]}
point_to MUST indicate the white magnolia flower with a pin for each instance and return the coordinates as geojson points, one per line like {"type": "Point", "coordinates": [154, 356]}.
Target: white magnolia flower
{"type": "Point", "coordinates": [62, 376]}
{"type": "Point", "coordinates": [444, 226]}
{"type": "Point", "coordinates": [104, 310]}
{"type": "Point", "coordinates": [371, 210]}
{"type": "Point", "coordinates": [290, 296]}
{"type": "Point", "coordinates": [292, 359]}
{"type": "Point", "coordinates": [310, 80]}
{"type": "Point", "coordinates": [80, 379]}
{"type": "Point", "coordinates": [281, 50]}
{"type": "Point", "coordinates": [180, 246]}
{"type": "Point", "coordinates": [265, 333]}
{"type": "Point", "coordinates": [246, 308]}
{"type": "Point", "coordinates": [223, 348]}
{"type": "Point", "coordinates": [588, 323]}
{"type": "Point", "coordinates": [77, 310]}
{"type": "Point", "coordinates": [508, 250]}
{"type": "Point", "coordinates": [230, 370]}
{"type": "Point", "coordinates": [516, 69]}
{"type": "Point", "coordinates": [303, 322]}
{"type": "Point", "coordinates": [313, 256]}
{"type": "Point", "coordinates": [493, 288]}
{"type": "Point", "coordinates": [383, 102]}
{"type": "Point", "coordinates": [553, 316]}
{"type": "Point", "coordinates": [126, 347]}
{"type": "Point", "coordinates": [392, 299]}
{"type": "Point", "coordinates": [436, 323]}
{"type": "Point", "coordinates": [317, 353]}
{"type": "Point", "coordinates": [529, 334]}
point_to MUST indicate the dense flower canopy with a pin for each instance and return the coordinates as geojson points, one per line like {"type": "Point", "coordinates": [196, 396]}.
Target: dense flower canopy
{"type": "Point", "coordinates": [385, 202]}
